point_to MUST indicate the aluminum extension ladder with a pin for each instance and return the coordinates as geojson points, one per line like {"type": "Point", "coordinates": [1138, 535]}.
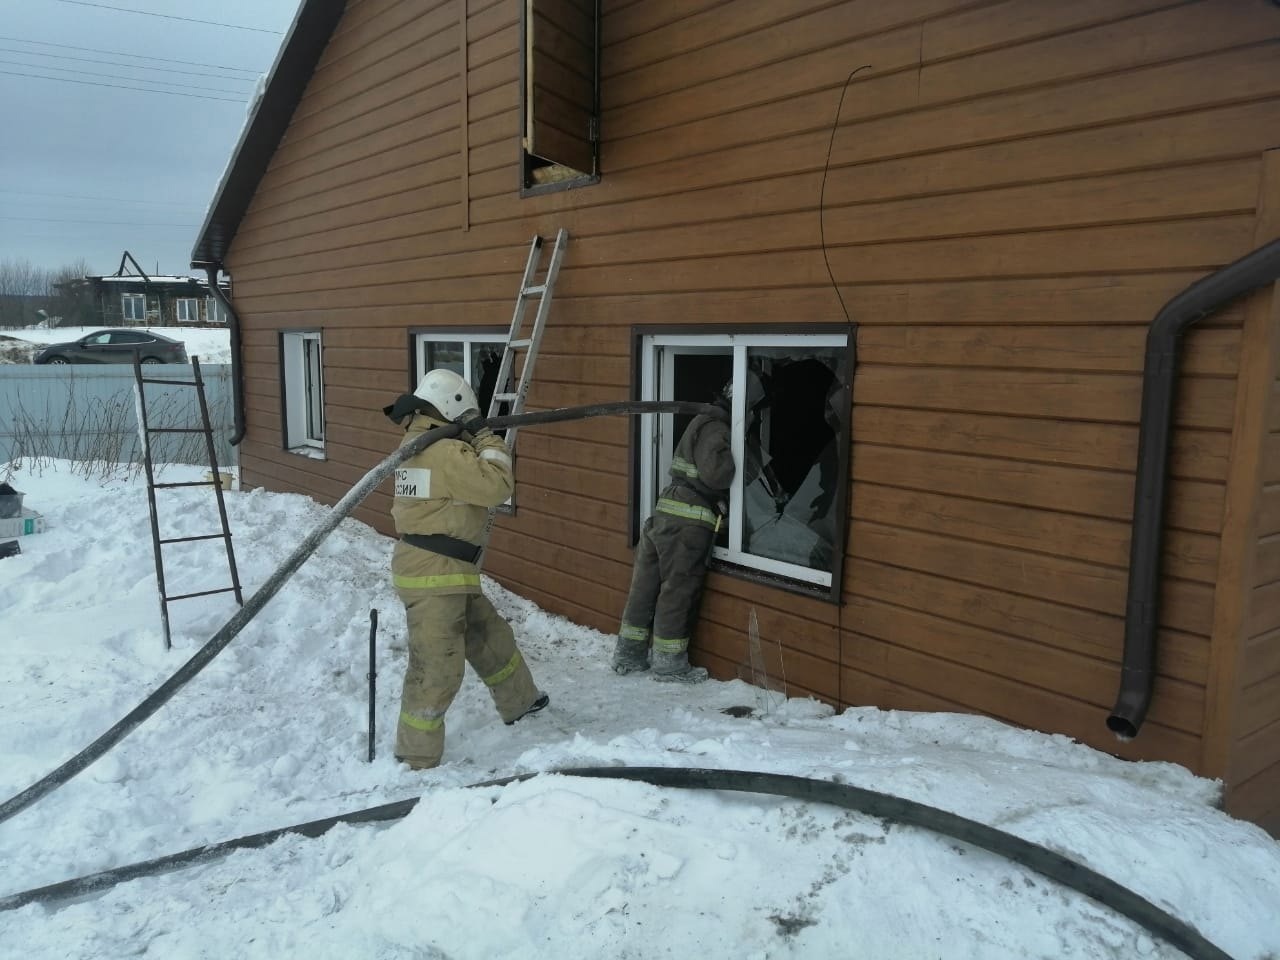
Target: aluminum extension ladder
{"type": "Point", "coordinates": [520, 343]}
{"type": "Point", "coordinates": [145, 432]}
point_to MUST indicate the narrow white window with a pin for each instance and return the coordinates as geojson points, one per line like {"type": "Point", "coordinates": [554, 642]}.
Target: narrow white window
{"type": "Point", "coordinates": [133, 306]}
{"type": "Point", "coordinates": [187, 310]}
{"type": "Point", "coordinates": [302, 387]}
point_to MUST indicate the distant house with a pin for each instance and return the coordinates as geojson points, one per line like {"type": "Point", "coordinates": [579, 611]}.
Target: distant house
{"type": "Point", "coordinates": [940, 231]}
{"type": "Point", "coordinates": [137, 299]}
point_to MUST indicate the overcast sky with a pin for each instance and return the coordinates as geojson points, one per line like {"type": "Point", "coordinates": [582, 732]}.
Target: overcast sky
{"type": "Point", "coordinates": [89, 169]}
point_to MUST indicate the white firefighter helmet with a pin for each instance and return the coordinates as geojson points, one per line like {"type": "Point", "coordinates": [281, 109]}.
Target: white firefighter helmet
{"type": "Point", "coordinates": [755, 390]}
{"type": "Point", "coordinates": [448, 393]}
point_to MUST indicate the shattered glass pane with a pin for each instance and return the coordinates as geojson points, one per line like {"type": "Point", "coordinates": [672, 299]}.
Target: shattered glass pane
{"type": "Point", "coordinates": [485, 360]}
{"type": "Point", "coordinates": [792, 472]}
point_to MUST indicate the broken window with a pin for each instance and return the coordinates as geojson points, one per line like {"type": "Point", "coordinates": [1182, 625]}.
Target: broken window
{"type": "Point", "coordinates": [559, 93]}
{"type": "Point", "coordinates": [473, 356]}
{"type": "Point", "coordinates": [790, 410]}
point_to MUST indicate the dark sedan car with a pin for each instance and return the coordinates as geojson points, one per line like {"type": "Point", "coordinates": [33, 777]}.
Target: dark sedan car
{"type": "Point", "coordinates": [115, 346]}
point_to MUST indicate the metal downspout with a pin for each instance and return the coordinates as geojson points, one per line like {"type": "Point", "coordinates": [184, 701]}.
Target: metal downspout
{"type": "Point", "coordinates": [237, 381]}
{"type": "Point", "coordinates": [1159, 382]}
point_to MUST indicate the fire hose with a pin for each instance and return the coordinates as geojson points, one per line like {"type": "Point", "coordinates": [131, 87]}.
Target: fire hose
{"type": "Point", "coordinates": [1048, 863]}
{"type": "Point", "coordinates": [1062, 869]}
{"type": "Point", "coordinates": [365, 486]}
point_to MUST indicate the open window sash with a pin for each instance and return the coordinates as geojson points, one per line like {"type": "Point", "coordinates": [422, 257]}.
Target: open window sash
{"type": "Point", "coordinates": [560, 86]}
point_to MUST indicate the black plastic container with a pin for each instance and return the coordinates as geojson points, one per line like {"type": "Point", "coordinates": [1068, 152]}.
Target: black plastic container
{"type": "Point", "coordinates": [10, 502]}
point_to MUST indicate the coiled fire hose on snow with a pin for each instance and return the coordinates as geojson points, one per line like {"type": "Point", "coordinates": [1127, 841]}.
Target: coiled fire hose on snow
{"type": "Point", "coordinates": [1047, 862]}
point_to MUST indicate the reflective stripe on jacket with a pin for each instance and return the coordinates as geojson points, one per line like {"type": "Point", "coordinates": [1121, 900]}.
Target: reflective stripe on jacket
{"type": "Point", "coordinates": [687, 511]}
{"type": "Point", "coordinates": [701, 470]}
{"type": "Point", "coordinates": [447, 488]}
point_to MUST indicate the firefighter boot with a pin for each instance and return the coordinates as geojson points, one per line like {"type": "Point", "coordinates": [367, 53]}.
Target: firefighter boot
{"type": "Point", "coordinates": [542, 701]}
{"type": "Point", "coordinates": [630, 656]}
{"type": "Point", "coordinates": [675, 668]}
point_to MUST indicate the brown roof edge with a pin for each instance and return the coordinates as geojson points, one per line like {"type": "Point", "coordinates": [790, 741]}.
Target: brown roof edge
{"type": "Point", "coordinates": [309, 34]}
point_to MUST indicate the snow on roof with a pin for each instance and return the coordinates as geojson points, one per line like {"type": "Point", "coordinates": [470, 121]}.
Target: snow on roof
{"type": "Point", "coordinates": [126, 279]}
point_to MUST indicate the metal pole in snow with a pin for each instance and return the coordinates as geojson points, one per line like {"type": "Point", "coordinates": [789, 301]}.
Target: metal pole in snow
{"type": "Point", "coordinates": [231, 629]}
{"type": "Point", "coordinates": [373, 674]}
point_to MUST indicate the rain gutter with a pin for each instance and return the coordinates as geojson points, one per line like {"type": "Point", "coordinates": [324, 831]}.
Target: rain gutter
{"type": "Point", "coordinates": [1159, 384]}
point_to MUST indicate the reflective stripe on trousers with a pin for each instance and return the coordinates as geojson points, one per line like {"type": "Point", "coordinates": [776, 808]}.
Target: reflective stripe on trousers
{"type": "Point", "coordinates": [670, 644]}
{"type": "Point", "coordinates": [419, 721]}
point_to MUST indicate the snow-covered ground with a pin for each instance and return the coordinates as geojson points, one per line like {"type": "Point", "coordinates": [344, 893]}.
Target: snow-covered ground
{"type": "Point", "coordinates": [210, 344]}
{"type": "Point", "coordinates": [273, 733]}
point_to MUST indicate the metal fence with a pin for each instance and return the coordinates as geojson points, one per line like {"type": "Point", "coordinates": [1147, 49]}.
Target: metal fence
{"type": "Point", "coordinates": [87, 412]}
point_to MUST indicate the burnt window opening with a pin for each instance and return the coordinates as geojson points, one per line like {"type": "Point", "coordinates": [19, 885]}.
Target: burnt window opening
{"type": "Point", "coordinates": [790, 422]}
{"type": "Point", "coordinates": [559, 94]}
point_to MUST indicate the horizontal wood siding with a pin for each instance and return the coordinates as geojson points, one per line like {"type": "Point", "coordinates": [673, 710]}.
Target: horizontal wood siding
{"type": "Point", "coordinates": [1255, 769]}
{"type": "Point", "coordinates": [1001, 198]}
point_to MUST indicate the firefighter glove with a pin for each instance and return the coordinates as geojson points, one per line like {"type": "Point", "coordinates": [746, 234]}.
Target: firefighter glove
{"type": "Point", "coordinates": [474, 424]}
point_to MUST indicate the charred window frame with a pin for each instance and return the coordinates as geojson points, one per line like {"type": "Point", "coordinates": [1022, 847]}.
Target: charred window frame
{"type": "Point", "coordinates": [302, 392]}
{"type": "Point", "coordinates": [786, 525]}
{"type": "Point", "coordinates": [559, 95]}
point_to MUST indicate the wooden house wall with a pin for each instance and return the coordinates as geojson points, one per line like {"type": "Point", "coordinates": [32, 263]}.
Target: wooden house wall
{"type": "Point", "coordinates": [1252, 768]}
{"type": "Point", "coordinates": [1008, 194]}
{"type": "Point", "coordinates": [1254, 775]}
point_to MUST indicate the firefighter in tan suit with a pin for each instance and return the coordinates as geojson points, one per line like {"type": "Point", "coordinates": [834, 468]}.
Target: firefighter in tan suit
{"type": "Point", "coordinates": [442, 499]}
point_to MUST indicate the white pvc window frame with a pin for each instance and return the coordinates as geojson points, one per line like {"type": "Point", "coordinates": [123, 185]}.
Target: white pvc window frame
{"type": "Point", "coordinates": [187, 309]}
{"type": "Point", "coordinates": [466, 339]}
{"type": "Point", "coordinates": [420, 341]}
{"type": "Point", "coordinates": [657, 367]}
{"type": "Point", "coordinates": [215, 311]}
{"type": "Point", "coordinates": [302, 367]}
{"type": "Point", "coordinates": [129, 307]}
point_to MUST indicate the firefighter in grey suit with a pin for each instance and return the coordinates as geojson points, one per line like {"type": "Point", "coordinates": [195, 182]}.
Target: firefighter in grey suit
{"type": "Point", "coordinates": [672, 555]}
{"type": "Point", "coordinates": [442, 500]}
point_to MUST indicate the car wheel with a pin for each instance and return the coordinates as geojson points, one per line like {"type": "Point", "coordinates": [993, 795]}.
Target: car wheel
{"type": "Point", "coordinates": [57, 360]}
{"type": "Point", "coordinates": [152, 360]}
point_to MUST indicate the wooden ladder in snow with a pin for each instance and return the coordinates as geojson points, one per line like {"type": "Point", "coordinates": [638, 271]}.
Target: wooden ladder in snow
{"type": "Point", "coordinates": [522, 342]}
{"type": "Point", "coordinates": [145, 433]}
